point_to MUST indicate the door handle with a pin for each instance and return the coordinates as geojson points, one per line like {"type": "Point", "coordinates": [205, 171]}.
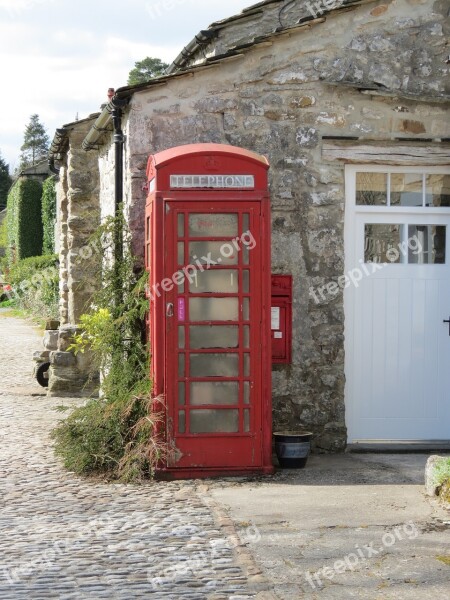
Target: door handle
{"type": "Point", "coordinates": [448, 321]}
{"type": "Point", "coordinates": [169, 310]}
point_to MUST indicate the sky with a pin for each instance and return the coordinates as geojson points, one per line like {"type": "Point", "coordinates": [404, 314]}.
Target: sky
{"type": "Point", "coordinates": [59, 57]}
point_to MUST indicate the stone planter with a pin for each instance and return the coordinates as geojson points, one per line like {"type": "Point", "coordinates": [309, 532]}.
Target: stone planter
{"type": "Point", "coordinates": [292, 448]}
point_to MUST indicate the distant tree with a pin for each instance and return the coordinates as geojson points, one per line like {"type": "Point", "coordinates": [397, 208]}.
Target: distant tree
{"type": "Point", "coordinates": [35, 143]}
{"type": "Point", "coordinates": [5, 182]}
{"type": "Point", "coordinates": [146, 69]}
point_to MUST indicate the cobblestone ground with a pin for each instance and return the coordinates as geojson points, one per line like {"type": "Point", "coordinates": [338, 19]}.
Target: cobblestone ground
{"type": "Point", "coordinates": [67, 538]}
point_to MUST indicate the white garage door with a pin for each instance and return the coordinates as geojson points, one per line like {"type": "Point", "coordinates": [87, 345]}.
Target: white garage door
{"type": "Point", "coordinates": [397, 304]}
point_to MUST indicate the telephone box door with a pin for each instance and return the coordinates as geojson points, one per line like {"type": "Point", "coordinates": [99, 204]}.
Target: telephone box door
{"type": "Point", "coordinates": [213, 334]}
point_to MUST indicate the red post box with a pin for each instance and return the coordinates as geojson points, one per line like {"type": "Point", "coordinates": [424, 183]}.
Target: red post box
{"type": "Point", "coordinates": [281, 319]}
{"type": "Point", "coordinates": [208, 236]}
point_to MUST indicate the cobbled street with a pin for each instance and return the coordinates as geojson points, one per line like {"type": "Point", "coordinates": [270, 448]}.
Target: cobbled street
{"type": "Point", "coordinates": [68, 538]}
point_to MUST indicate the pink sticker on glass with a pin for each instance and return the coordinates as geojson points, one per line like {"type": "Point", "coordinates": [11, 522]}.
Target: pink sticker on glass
{"type": "Point", "coordinates": [181, 309]}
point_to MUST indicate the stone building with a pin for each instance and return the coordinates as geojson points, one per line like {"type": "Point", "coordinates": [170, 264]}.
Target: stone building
{"type": "Point", "coordinates": [347, 99]}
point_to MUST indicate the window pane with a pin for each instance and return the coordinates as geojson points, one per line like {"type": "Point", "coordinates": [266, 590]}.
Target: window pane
{"type": "Point", "coordinates": [181, 365]}
{"type": "Point", "coordinates": [246, 282]}
{"type": "Point", "coordinates": [214, 421]}
{"type": "Point", "coordinates": [214, 336]}
{"type": "Point", "coordinates": [246, 336]}
{"type": "Point", "coordinates": [426, 244]}
{"type": "Point", "coordinates": [214, 392]}
{"type": "Point", "coordinates": [181, 421]}
{"type": "Point", "coordinates": [181, 225]}
{"type": "Point", "coordinates": [371, 189]}
{"type": "Point", "coordinates": [246, 421]}
{"type": "Point", "coordinates": [437, 190]}
{"type": "Point", "coordinates": [181, 253]}
{"type": "Point", "coordinates": [406, 189]}
{"type": "Point", "coordinates": [212, 252]}
{"type": "Point", "coordinates": [223, 281]}
{"type": "Point", "coordinates": [181, 338]}
{"type": "Point", "coordinates": [213, 225]}
{"type": "Point", "coordinates": [181, 394]}
{"type": "Point", "coordinates": [246, 365]}
{"type": "Point", "coordinates": [245, 222]}
{"type": "Point", "coordinates": [246, 309]}
{"type": "Point", "coordinates": [214, 365]}
{"type": "Point", "coordinates": [214, 309]}
{"type": "Point", "coordinates": [246, 392]}
{"type": "Point", "coordinates": [382, 243]}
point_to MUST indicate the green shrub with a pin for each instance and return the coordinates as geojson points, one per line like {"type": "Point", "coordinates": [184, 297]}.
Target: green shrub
{"type": "Point", "coordinates": [48, 215]}
{"type": "Point", "coordinates": [115, 434]}
{"type": "Point", "coordinates": [35, 281]}
{"type": "Point", "coordinates": [442, 471]}
{"type": "Point", "coordinates": [24, 218]}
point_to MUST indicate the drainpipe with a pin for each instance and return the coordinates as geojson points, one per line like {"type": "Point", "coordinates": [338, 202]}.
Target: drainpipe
{"type": "Point", "coordinates": [119, 140]}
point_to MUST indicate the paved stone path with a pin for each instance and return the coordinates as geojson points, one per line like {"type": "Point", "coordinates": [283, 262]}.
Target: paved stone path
{"type": "Point", "coordinates": [67, 538]}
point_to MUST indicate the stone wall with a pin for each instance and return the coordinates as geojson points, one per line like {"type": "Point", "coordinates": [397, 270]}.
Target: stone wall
{"type": "Point", "coordinates": [280, 99]}
{"type": "Point", "coordinates": [78, 199]}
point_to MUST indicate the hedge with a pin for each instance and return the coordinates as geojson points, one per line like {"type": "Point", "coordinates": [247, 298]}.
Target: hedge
{"type": "Point", "coordinates": [25, 230]}
{"type": "Point", "coordinates": [48, 215]}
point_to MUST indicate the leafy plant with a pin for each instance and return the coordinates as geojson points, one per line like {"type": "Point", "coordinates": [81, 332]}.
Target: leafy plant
{"type": "Point", "coordinates": [116, 434]}
{"type": "Point", "coordinates": [48, 215]}
{"type": "Point", "coordinates": [441, 471]}
{"type": "Point", "coordinates": [35, 282]}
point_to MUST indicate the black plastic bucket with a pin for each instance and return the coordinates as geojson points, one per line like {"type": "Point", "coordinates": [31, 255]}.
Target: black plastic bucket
{"type": "Point", "coordinates": [292, 448]}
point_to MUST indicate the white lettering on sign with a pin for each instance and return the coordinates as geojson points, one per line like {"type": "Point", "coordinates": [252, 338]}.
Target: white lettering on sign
{"type": "Point", "coordinates": [212, 181]}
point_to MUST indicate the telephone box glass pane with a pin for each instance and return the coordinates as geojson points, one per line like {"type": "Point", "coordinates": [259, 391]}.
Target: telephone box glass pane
{"type": "Point", "coordinates": [210, 253]}
{"type": "Point", "coordinates": [214, 421]}
{"type": "Point", "coordinates": [181, 225]}
{"type": "Point", "coordinates": [246, 392]}
{"type": "Point", "coordinates": [246, 421]}
{"type": "Point", "coordinates": [181, 365]}
{"type": "Point", "coordinates": [214, 365]}
{"type": "Point", "coordinates": [246, 309]}
{"type": "Point", "coordinates": [181, 253]}
{"type": "Point", "coordinates": [246, 365]}
{"type": "Point", "coordinates": [223, 281]}
{"type": "Point", "coordinates": [214, 336]}
{"type": "Point", "coordinates": [213, 225]}
{"type": "Point", "coordinates": [181, 421]}
{"type": "Point", "coordinates": [214, 309]}
{"type": "Point", "coordinates": [214, 392]}
{"type": "Point", "coordinates": [181, 394]}
{"type": "Point", "coordinates": [245, 222]}
{"type": "Point", "coordinates": [181, 338]}
{"type": "Point", "coordinates": [246, 336]}
{"type": "Point", "coordinates": [246, 282]}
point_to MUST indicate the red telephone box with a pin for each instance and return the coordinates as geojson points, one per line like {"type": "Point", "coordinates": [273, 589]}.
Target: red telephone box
{"type": "Point", "coordinates": [208, 236]}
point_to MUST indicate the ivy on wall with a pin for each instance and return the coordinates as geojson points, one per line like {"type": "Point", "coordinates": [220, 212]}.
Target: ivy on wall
{"type": "Point", "coordinates": [48, 215]}
{"type": "Point", "coordinates": [25, 230]}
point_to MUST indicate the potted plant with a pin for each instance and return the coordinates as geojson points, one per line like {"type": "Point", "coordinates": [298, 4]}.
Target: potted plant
{"type": "Point", "coordinates": [292, 448]}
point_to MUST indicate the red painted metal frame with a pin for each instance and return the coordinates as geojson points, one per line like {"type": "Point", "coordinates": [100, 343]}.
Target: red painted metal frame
{"type": "Point", "coordinates": [161, 263]}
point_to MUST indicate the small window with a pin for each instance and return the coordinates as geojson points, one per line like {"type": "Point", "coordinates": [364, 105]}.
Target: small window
{"type": "Point", "coordinates": [406, 244]}
{"type": "Point", "coordinates": [398, 190]}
